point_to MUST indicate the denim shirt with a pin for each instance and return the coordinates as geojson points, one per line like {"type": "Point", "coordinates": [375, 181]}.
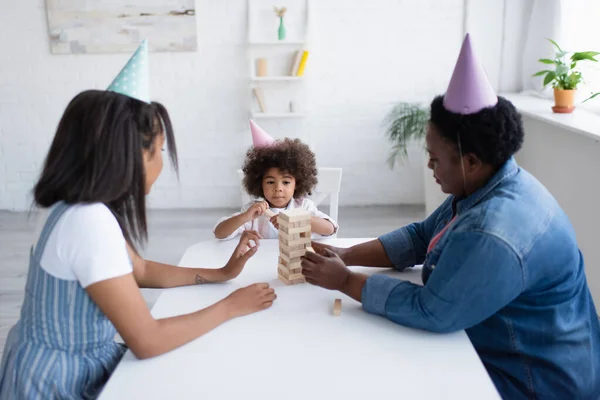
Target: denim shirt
{"type": "Point", "coordinates": [507, 270]}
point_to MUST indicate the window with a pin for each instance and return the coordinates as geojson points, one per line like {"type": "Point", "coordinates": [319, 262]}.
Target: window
{"type": "Point", "coordinates": [580, 31]}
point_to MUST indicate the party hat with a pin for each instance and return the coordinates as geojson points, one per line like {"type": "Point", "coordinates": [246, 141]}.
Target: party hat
{"type": "Point", "coordinates": [260, 138]}
{"type": "Point", "coordinates": [469, 90]}
{"type": "Point", "coordinates": [134, 78]}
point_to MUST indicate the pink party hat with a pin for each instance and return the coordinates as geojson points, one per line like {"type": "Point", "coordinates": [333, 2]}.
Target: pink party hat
{"type": "Point", "coordinates": [469, 90]}
{"type": "Point", "coordinates": [260, 138]}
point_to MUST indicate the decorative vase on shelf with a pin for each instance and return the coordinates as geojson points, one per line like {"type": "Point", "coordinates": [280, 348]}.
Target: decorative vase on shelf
{"type": "Point", "coordinates": [281, 30]}
{"type": "Point", "coordinates": [280, 13]}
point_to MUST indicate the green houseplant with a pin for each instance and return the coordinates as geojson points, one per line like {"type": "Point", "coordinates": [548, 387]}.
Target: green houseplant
{"type": "Point", "coordinates": [404, 123]}
{"type": "Point", "coordinates": [565, 77]}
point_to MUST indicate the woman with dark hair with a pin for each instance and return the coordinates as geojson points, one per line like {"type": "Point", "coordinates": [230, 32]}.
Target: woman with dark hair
{"type": "Point", "coordinates": [500, 258]}
{"type": "Point", "coordinates": [85, 271]}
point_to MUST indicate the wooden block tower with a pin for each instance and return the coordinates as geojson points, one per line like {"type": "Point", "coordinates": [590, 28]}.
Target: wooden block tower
{"type": "Point", "coordinates": [294, 241]}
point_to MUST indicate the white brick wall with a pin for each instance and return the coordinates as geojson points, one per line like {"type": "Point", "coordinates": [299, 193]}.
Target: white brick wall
{"type": "Point", "coordinates": [364, 56]}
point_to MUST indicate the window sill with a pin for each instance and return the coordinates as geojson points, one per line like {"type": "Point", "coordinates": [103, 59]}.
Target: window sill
{"type": "Point", "coordinates": [580, 121]}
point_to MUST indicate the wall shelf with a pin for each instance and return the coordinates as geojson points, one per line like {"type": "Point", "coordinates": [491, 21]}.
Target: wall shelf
{"type": "Point", "coordinates": [258, 115]}
{"type": "Point", "coordinates": [278, 43]}
{"type": "Point", "coordinates": [278, 88]}
{"type": "Point", "coordinates": [277, 78]}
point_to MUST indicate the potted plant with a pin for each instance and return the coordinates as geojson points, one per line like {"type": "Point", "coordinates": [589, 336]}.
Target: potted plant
{"type": "Point", "coordinates": [565, 77]}
{"type": "Point", "coordinates": [405, 123]}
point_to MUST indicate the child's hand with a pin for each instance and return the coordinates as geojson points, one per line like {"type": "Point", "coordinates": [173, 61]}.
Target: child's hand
{"type": "Point", "coordinates": [256, 210]}
{"type": "Point", "coordinates": [250, 299]}
{"type": "Point", "coordinates": [273, 220]}
{"type": "Point", "coordinates": [245, 249]}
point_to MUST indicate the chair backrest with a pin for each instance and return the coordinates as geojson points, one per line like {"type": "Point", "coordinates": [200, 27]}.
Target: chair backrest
{"type": "Point", "coordinates": [330, 182]}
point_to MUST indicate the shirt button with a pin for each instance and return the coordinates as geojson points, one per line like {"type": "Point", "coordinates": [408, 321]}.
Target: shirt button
{"type": "Point", "coordinates": [433, 266]}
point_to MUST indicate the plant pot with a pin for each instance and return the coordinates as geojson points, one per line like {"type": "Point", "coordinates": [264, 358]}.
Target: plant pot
{"type": "Point", "coordinates": [563, 101]}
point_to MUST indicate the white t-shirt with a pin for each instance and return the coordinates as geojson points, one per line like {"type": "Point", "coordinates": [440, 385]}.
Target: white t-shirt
{"type": "Point", "coordinates": [86, 245]}
{"type": "Point", "coordinates": [264, 226]}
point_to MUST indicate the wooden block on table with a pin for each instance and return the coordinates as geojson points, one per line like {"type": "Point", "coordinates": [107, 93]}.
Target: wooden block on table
{"type": "Point", "coordinates": [295, 215]}
{"type": "Point", "coordinates": [337, 307]}
{"type": "Point", "coordinates": [310, 249]}
{"type": "Point", "coordinates": [300, 241]}
{"type": "Point", "coordinates": [269, 213]}
{"type": "Point", "coordinates": [282, 222]}
{"type": "Point", "coordinates": [293, 281]}
{"type": "Point", "coordinates": [290, 260]}
{"type": "Point", "coordinates": [283, 270]}
{"type": "Point", "coordinates": [294, 277]}
{"type": "Point", "coordinates": [289, 231]}
{"type": "Point", "coordinates": [284, 279]}
{"type": "Point", "coordinates": [291, 249]}
{"type": "Point", "coordinates": [293, 254]}
{"type": "Point", "coordinates": [299, 280]}
{"type": "Point", "coordinates": [292, 266]}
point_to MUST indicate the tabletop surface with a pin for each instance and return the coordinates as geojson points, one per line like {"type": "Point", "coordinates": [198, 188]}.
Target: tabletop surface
{"type": "Point", "coordinates": [297, 349]}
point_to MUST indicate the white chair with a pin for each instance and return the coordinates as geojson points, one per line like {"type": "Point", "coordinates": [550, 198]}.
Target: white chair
{"type": "Point", "coordinates": [330, 181]}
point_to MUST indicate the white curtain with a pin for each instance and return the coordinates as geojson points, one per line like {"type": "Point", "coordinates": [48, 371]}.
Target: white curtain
{"type": "Point", "coordinates": [544, 22]}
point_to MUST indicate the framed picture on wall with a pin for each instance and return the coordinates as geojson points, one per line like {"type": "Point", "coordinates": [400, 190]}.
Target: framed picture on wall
{"type": "Point", "coordinates": [108, 26]}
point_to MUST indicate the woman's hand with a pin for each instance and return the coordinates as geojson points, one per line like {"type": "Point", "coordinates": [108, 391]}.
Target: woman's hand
{"type": "Point", "coordinates": [246, 248]}
{"type": "Point", "coordinates": [326, 270]}
{"type": "Point", "coordinates": [250, 299]}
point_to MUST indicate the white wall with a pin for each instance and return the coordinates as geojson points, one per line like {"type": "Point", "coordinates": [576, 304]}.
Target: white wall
{"type": "Point", "coordinates": [567, 163]}
{"type": "Point", "coordinates": [364, 57]}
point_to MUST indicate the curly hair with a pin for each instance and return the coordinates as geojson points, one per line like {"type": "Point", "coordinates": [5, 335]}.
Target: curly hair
{"type": "Point", "coordinates": [493, 134]}
{"type": "Point", "coordinates": [289, 155]}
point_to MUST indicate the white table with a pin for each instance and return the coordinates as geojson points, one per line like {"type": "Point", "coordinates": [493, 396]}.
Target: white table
{"type": "Point", "coordinates": [297, 349]}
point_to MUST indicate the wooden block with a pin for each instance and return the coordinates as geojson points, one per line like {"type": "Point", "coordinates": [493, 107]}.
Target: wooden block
{"type": "Point", "coordinates": [291, 249]}
{"type": "Point", "coordinates": [284, 280]}
{"type": "Point", "coordinates": [293, 254]}
{"type": "Point", "coordinates": [299, 241]}
{"type": "Point", "coordinates": [299, 280]}
{"type": "Point", "coordinates": [269, 213]}
{"type": "Point", "coordinates": [285, 273]}
{"type": "Point", "coordinates": [293, 277]}
{"type": "Point", "coordinates": [283, 269]}
{"type": "Point", "coordinates": [309, 248]}
{"type": "Point", "coordinates": [290, 260]}
{"type": "Point", "coordinates": [282, 222]}
{"type": "Point", "coordinates": [290, 231]}
{"type": "Point", "coordinates": [292, 266]}
{"type": "Point", "coordinates": [337, 307]}
{"type": "Point", "coordinates": [293, 281]}
{"type": "Point", "coordinates": [294, 215]}
{"type": "Point", "coordinates": [292, 236]}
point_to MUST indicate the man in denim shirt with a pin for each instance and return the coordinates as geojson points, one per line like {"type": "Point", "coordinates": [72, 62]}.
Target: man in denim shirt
{"type": "Point", "coordinates": [500, 258]}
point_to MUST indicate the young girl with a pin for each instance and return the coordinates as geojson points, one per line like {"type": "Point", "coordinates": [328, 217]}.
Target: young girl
{"type": "Point", "coordinates": [85, 272]}
{"type": "Point", "coordinates": [281, 173]}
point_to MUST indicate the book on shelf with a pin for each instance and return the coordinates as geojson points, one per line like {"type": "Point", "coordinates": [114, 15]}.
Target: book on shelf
{"type": "Point", "coordinates": [295, 62]}
{"type": "Point", "coordinates": [302, 66]}
{"type": "Point", "coordinates": [299, 63]}
{"type": "Point", "coordinates": [260, 99]}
